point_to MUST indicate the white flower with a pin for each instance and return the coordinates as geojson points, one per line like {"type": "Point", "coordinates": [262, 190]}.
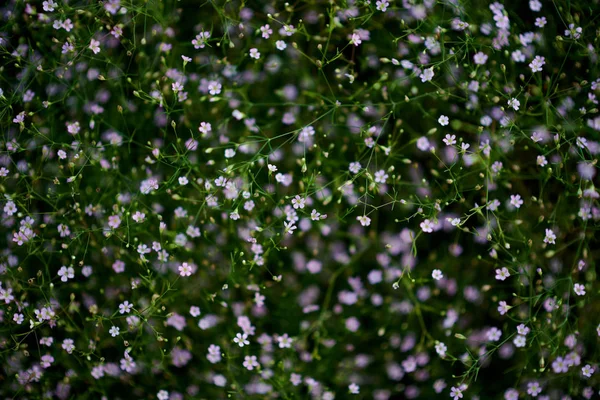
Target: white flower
{"type": "Point", "coordinates": [241, 339]}
{"type": "Point", "coordinates": [514, 103]}
{"type": "Point", "coordinates": [427, 75]}
{"type": "Point", "coordinates": [95, 46]}
{"type": "Point", "coordinates": [66, 273]}
{"type": "Point", "coordinates": [427, 226]}
{"type": "Point", "coordinates": [254, 53]}
{"type": "Point", "coordinates": [537, 64]}
{"type": "Point", "coordinates": [443, 120]}
{"type": "Point", "coordinates": [364, 220]}
{"type": "Point", "coordinates": [550, 237]}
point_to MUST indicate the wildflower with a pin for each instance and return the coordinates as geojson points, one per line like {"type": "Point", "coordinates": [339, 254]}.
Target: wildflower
{"type": "Point", "coordinates": [250, 362]}
{"type": "Point", "coordinates": [241, 339]}
{"type": "Point", "coordinates": [427, 226]}
{"type": "Point", "coordinates": [559, 365]}
{"type": "Point", "coordinates": [494, 334]}
{"type": "Point", "coordinates": [214, 88]}
{"type": "Point", "coordinates": [514, 103]}
{"type": "Point", "coordinates": [382, 5]}
{"type": "Point", "coordinates": [254, 53]}
{"type": "Point", "coordinates": [354, 388]}
{"type": "Point", "coordinates": [574, 32]}
{"type": "Point", "coordinates": [201, 39]}
{"type": "Point", "coordinates": [380, 176]}
{"type": "Point", "coordinates": [443, 120]}
{"type": "Point", "coordinates": [533, 388]}
{"type": "Point", "coordinates": [537, 64]}
{"type": "Point", "coordinates": [550, 237]}
{"type": "Point", "coordinates": [540, 22]}
{"type": "Point", "coordinates": [162, 395]}
{"type": "Point", "coordinates": [355, 40]}
{"type": "Point", "coordinates": [114, 331]}
{"type": "Point", "coordinates": [66, 273]}
{"type": "Point", "coordinates": [285, 342]}
{"type": "Point", "coordinates": [516, 201]}
{"type": "Point", "coordinates": [298, 202]}
{"type": "Point", "coordinates": [427, 75]}
{"type": "Point", "coordinates": [502, 274]}
{"type": "Point", "coordinates": [579, 289]}
{"type": "Point", "coordinates": [437, 274]}
{"type": "Point", "coordinates": [95, 46]}
{"type": "Point", "coordinates": [266, 31]}
{"type": "Point", "coordinates": [480, 58]}
{"type": "Point", "coordinates": [503, 307]}
{"type": "Point", "coordinates": [114, 221]}
{"type": "Point", "coordinates": [185, 269]}
{"type": "Point", "coordinates": [535, 5]}
{"type": "Point", "coordinates": [519, 341]}
{"type": "Point", "coordinates": [440, 349]}
{"type": "Point", "coordinates": [125, 307]}
{"type": "Point", "coordinates": [49, 5]}
{"type": "Point", "coordinates": [364, 220]}
{"type": "Point", "coordinates": [456, 393]}
{"type": "Point", "coordinates": [449, 140]}
{"type": "Point", "coordinates": [587, 371]}
{"type": "Point", "coordinates": [280, 44]}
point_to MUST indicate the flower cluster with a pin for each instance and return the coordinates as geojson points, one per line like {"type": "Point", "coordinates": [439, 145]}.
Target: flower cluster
{"type": "Point", "coordinates": [260, 200]}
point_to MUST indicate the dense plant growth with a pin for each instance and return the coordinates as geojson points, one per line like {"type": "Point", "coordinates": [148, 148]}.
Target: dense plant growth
{"type": "Point", "coordinates": [307, 200]}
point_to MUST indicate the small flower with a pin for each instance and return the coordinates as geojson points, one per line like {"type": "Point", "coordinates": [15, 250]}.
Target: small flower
{"type": "Point", "coordinates": [541, 22]}
{"type": "Point", "coordinates": [427, 75]}
{"type": "Point", "coordinates": [254, 53]}
{"type": "Point", "coordinates": [49, 5]}
{"type": "Point", "coordinates": [162, 395]}
{"type": "Point", "coordinates": [537, 64]}
{"type": "Point", "coordinates": [355, 39]}
{"type": "Point", "coordinates": [437, 274]}
{"type": "Point", "coordinates": [66, 273]}
{"type": "Point", "coordinates": [250, 362]}
{"type": "Point", "coordinates": [364, 220]}
{"type": "Point", "coordinates": [587, 371]}
{"type": "Point", "coordinates": [382, 5]}
{"type": "Point", "coordinates": [298, 202]}
{"type": "Point", "coordinates": [125, 307]}
{"type": "Point", "coordinates": [354, 388]}
{"type": "Point", "coordinates": [516, 200]}
{"type": "Point", "coordinates": [285, 342]}
{"type": "Point", "coordinates": [241, 339]}
{"type": "Point", "coordinates": [579, 289]}
{"type": "Point", "coordinates": [114, 221]}
{"type": "Point", "coordinates": [514, 103]}
{"type": "Point", "coordinates": [185, 269]}
{"type": "Point", "coordinates": [480, 58]}
{"type": "Point", "coordinates": [449, 140]}
{"type": "Point", "coordinates": [533, 388]}
{"type": "Point", "coordinates": [443, 120]}
{"type": "Point", "coordinates": [502, 274]}
{"type": "Point", "coordinates": [440, 349]}
{"type": "Point", "coordinates": [519, 341]}
{"type": "Point", "coordinates": [503, 307]}
{"type": "Point", "coordinates": [266, 31]}
{"type": "Point", "coordinates": [280, 44]}
{"type": "Point", "coordinates": [494, 334]}
{"type": "Point", "coordinates": [550, 237]}
{"type": "Point", "coordinates": [214, 88]}
{"type": "Point", "coordinates": [522, 329]}
{"type": "Point", "coordinates": [456, 393]}
{"type": "Point", "coordinates": [427, 226]}
{"type": "Point", "coordinates": [95, 46]}
{"type": "Point", "coordinates": [114, 331]}
{"type": "Point", "coordinates": [200, 41]}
